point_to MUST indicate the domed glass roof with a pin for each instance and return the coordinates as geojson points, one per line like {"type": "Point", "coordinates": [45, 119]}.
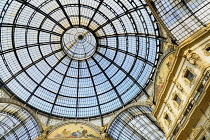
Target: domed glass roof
{"type": "Point", "coordinates": [77, 58]}
{"type": "Point", "coordinates": [17, 123]}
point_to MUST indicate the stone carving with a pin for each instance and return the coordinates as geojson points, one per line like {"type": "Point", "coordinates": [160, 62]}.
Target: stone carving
{"type": "Point", "coordinates": [206, 50]}
{"type": "Point", "coordinates": [180, 87]}
{"type": "Point", "coordinates": [185, 79]}
{"type": "Point", "coordinates": [103, 128]}
{"type": "Point", "coordinates": [167, 124]}
{"type": "Point", "coordinates": [177, 105]}
{"type": "Point", "coordinates": [192, 58]}
{"type": "Point", "coordinates": [149, 101]}
{"type": "Point", "coordinates": [170, 108]}
{"type": "Point", "coordinates": [195, 59]}
{"type": "Point", "coordinates": [208, 129]}
{"type": "Point", "coordinates": [103, 131]}
{"type": "Point", "coordinates": [195, 131]}
{"type": "Point", "coordinates": [161, 125]}
{"type": "Point", "coordinates": [45, 131]}
{"type": "Point", "coordinates": [169, 45]}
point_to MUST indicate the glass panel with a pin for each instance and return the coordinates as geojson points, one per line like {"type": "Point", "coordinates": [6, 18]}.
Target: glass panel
{"type": "Point", "coordinates": [183, 17]}
{"type": "Point", "coordinates": [17, 123]}
{"type": "Point", "coordinates": [77, 58]}
{"type": "Point", "coordinates": [136, 123]}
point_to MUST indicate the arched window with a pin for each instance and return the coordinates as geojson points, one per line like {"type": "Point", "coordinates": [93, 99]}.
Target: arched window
{"type": "Point", "coordinates": [136, 123]}
{"type": "Point", "coordinates": [16, 123]}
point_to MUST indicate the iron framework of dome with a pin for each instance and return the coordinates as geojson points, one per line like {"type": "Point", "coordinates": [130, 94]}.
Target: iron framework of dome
{"type": "Point", "coordinates": [17, 123]}
{"type": "Point", "coordinates": [77, 58]}
{"type": "Point", "coordinates": [135, 123]}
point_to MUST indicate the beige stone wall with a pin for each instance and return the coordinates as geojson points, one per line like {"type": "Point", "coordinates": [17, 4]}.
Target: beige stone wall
{"type": "Point", "coordinates": [191, 56]}
{"type": "Point", "coordinates": [203, 126]}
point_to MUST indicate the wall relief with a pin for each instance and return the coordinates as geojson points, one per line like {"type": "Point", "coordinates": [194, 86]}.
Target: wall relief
{"type": "Point", "coordinates": [163, 74]}
{"type": "Point", "coordinates": [74, 131]}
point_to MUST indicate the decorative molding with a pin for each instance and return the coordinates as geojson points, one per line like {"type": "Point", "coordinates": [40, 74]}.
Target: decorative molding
{"type": "Point", "coordinates": [149, 101]}
{"type": "Point", "coordinates": [161, 125]}
{"type": "Point", "coordinates": [194, 59]}
{"type": "Point", "coordinates": [168, 124]}
{"type": "Point", "coordinates": [186, 81]}
{"type": "Point", "coordinates": [201, 131]}
{"type": "Point", "coordinates": [185, 119]}
{"type": "Point", "coordinates": [207, 53]}
{"type": "Point", "coordinates": [3, 94]}
{"type": "Point", "coordinates": [171, 109]}
{"type": "Point", "coordinates": [180, 87]}
{"type": "Point", "coordinates": [178, 106]}
{"type": "Point", "coordinates": [45, 131]}
{"type": "Point", "coordinates": [195, 132]}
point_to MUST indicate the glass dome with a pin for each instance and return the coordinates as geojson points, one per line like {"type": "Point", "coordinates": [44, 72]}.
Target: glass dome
{"type": "Point", "coordinates": [183, 17]}
{"type": "Point", "coordinates": [77, 58]}
{"type": "Point", "coordinates": [136, 123]}
{"type": "Point", "coordinates": [17, 123]}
